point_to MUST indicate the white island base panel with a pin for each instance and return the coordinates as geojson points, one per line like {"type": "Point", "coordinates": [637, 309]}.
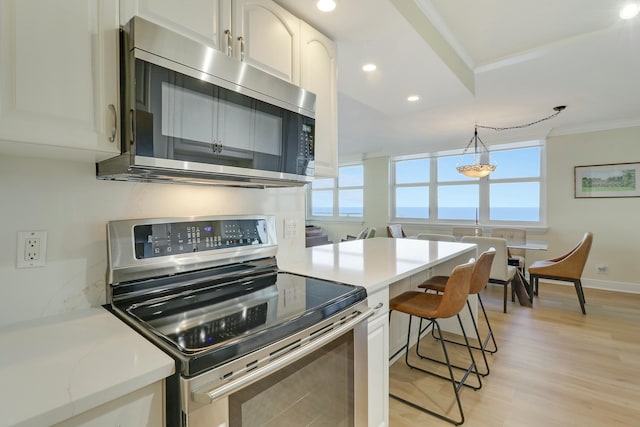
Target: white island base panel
{"type": "Point", "coordinates": [61, 367]}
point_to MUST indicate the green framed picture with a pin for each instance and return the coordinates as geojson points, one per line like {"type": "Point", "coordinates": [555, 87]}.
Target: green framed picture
{"type": "Point", "coordinates": [610, 180]}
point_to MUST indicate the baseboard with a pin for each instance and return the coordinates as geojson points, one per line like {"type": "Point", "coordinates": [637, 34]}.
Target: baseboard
{"type": "Point", "coordinates": [606, 285]}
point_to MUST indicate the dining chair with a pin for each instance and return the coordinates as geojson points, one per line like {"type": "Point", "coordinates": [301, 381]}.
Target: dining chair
{"type": "Point", "coordinates": [371, 232]}
{"type": "Point", "coordinates": [501, 272]}
{"type": "Point", "coordinates": [436, 237]}
{"type": "Point", "coordinates": [433, 307]}
{"type": "Point", "coordinates": [395, 230]}
{"type": "Point", "coordinates": [460, 232]}
{"type": "Point", "coordinates": [479, 279]}
{"type": "Point", "coordinates": [567, 268]}
{"type": "Point", "coordinates": [361, 235]}
{"type": "Point", "coordinates": [514, 236]}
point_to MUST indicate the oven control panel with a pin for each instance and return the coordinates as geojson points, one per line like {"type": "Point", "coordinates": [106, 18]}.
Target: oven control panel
{"type": "Point", "coordinates": [156, 240]}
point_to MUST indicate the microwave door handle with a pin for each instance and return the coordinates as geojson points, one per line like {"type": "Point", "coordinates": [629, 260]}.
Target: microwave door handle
{"type": "Point", "coordinates": [132, 118]}
{"type": "Point", "coordinates": [241, 40]}
{"type": "Point", "coordinates": [229, 42]}
{"type": "Point", "coordinates": [114, 129]}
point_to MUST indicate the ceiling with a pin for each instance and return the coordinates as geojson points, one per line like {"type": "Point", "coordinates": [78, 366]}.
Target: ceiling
{"type": "Point", "coordinates": [493, 62]}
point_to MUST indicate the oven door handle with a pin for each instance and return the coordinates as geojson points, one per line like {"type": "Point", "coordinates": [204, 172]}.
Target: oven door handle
{"type": "Point", "coordinates": [254, 375]}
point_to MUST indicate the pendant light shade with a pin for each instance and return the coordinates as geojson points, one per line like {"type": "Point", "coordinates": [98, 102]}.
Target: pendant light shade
{"type": "Point", "coordinates": [479, 168]}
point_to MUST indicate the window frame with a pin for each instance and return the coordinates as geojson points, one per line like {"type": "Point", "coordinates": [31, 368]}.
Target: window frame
{"type": "Point", "coordinates": [483, 188]}
{"type": "Point", "coordinates": [335, 189]}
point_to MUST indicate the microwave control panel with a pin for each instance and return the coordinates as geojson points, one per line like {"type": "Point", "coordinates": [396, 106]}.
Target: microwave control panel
{"type": "Point", "coordinates": [165, 239]}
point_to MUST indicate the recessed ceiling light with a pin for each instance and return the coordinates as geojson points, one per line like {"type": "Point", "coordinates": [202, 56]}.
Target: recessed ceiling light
{"type": "Point", "coordinates": [369, 67]}
{"type": "Point", "coordinates": [413, 98]}
{"type": "Point", "coordinates": [326, 5]}
{"type": "Point", "coordinates": [629, 11]}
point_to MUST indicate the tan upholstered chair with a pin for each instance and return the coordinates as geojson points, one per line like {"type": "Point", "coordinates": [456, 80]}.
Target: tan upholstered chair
{"type": "Point", "coordinates": [395, 230]}
{"type": "Point", "coordinates": [501, 272]}
{"type": "Point", "coordinates": [437, 237]}
{"type": "Point", "coordinates": [479, 279]}
{"type": "Point", "coordinates": [568, 268]}
{"type": "Point", "coordinates": [433, 307]}
{"type": "Point", "coordinates": [513, 236]}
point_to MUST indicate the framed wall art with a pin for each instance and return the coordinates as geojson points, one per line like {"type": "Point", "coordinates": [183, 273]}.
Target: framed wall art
{"type": "Point", "coordinates": [612, 180]}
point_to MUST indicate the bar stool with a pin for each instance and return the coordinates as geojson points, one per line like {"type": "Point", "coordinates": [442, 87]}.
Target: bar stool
{"type": "Point", "coordinates": [479, 279]}
{"type": "Point", "coordinates": [432, 307]}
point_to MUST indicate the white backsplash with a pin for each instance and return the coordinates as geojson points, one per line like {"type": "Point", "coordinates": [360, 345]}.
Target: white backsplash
{"type": "Point", "coordinates": [65, 199]}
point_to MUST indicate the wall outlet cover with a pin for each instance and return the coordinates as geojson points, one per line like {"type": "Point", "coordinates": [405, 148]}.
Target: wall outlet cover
{"type": "Point", "coordinates": [31, 250]}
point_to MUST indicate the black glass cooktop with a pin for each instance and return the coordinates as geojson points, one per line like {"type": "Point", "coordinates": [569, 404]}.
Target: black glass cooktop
{"type": "Point", "coordinates": [217, 323]}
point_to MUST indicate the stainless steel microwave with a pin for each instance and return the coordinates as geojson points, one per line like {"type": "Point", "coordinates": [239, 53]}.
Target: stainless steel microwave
{"type": "Point", "coordinates": [192, 114]}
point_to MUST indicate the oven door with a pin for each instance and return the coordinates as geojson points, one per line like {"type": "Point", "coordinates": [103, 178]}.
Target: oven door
{"type": "Point", "coordinates": [316, 381]}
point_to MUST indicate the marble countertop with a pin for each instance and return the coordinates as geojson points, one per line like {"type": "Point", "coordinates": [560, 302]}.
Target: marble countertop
{"type": "Point", "coordinates": [373, 263]}
{"type": "Point", "coordinates": [58, 367]}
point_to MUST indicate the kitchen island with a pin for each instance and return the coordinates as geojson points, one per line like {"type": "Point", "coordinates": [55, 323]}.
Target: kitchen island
{"type": "Point", "coordinates": [385, 267]}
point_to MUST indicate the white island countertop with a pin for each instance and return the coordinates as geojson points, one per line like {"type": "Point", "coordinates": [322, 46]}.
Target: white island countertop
{"type": "Point", "coordinates": [373, 263]}
{"type": "Point", "coordinates": [58, 367]}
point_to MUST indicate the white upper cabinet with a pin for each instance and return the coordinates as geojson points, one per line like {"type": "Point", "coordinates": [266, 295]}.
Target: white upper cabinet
{"type": "Point", "coordinates": [318, 75]}
{"type": "Point", "coordinates": [267, 37]}
{"type": "Point", "coordinates": [259, 32]}
{"type": "Point", "coordinates": [59, 74]}
{"type": "Point", "coordinates": [202, 20]}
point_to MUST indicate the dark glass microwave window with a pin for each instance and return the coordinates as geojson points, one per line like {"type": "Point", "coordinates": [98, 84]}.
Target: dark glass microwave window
{"type": "Point", "coordinates": [184, 118]}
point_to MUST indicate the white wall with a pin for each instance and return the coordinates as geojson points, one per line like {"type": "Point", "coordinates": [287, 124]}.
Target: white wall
{"type": "Point", "coordinates": [65, 199]}
{"type": "Point", "coordinates": [614, 222]}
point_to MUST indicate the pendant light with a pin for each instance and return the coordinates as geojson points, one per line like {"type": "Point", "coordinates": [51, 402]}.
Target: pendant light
{"type": "Point", "coordinates": [481, 166]}
{"type": "Point", "coordinates": [478, 168]}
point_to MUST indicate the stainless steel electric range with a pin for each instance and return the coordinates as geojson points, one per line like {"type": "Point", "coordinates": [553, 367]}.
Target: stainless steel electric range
{"type": "Point", "coordinates": [253, 345]}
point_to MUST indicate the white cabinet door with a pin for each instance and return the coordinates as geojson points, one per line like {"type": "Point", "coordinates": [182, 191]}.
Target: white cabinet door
{"type": "Point", "coordinates": [202, 20]}
{"type": "Point", "coordinates": [270, 35]}
{"type": "Point", "coordinates": [59, 73]}
{"type": "Point", "coordinates": [141, 408]}
{"type": "Point", "coordinates": [378, 364]}
{"type": "Point", "coordinates": [318, 75]}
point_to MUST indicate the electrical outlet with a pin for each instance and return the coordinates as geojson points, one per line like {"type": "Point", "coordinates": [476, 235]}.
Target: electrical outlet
{"type": "Point", "coordinates": [32, 249]}
{"type": "Point", "coordinates": [602, 269]}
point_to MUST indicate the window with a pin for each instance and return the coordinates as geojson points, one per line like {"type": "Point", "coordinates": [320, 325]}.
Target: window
{"type": "Point", "coordinates": [342, 197]}
{"type": "Point", "coordinates": [412, 189]}
{"type": "Point", "coordinates": [430, 189]}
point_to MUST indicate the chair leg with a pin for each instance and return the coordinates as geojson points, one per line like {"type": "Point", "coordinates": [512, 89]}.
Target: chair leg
{"type": "Point", "coordinates": [482, 345]}
{"type": "Point", "coordinates": [462, 368]}
{"type": "Point", "coordinates": [534, 284]}
{"type": "Point", "coordinates": [490, 335]}
{"type": "Point", "coordinates": [580, 292]}
{"type": "Point", "coordinates": [504, 305]}
{"type": "Point", "coordinates": [456, 385]}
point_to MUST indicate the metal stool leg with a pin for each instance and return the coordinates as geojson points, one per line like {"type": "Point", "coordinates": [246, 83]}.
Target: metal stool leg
{"type": "Point", "coordinates": [483, 344]}
{"type": "Point", "coordinates": [456, 385]}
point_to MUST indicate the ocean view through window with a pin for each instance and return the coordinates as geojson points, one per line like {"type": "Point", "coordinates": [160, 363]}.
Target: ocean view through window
{"type": "Point", "coordinates": [429, 188]}
{"type": "Point", "coordinates": [342, 197]}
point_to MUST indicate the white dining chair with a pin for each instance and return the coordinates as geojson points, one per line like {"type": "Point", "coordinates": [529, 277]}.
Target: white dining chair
{"type": "Point", "coordinates": [436, 237]}
{"type": "Point", "coordinates": [501, 272]}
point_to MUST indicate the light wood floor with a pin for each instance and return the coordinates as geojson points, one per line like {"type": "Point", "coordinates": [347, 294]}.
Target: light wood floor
{"type": "Point", "coordinates": [554, 366]}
